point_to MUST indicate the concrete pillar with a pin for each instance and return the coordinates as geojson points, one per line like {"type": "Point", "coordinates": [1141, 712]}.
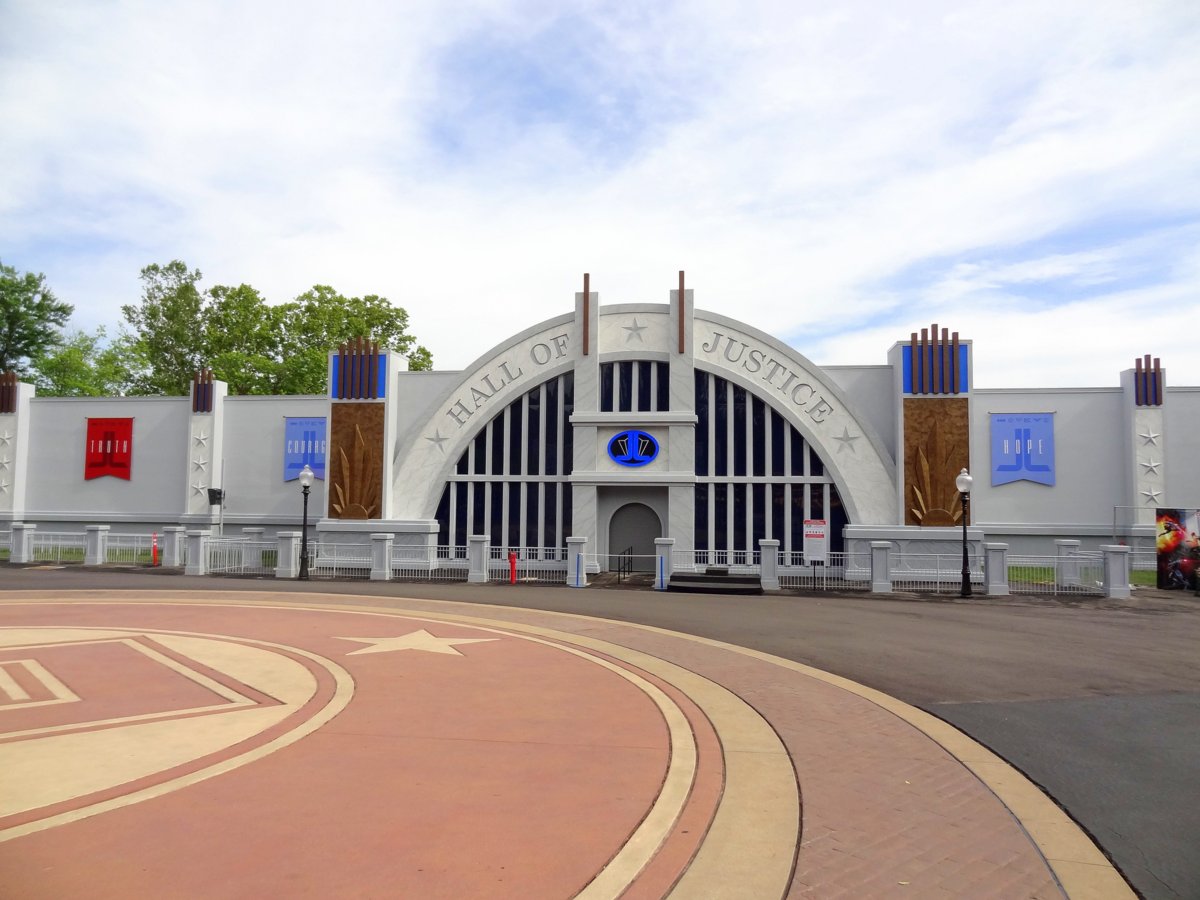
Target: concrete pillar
{"type": "Point", "coordinates": [172, 545]}
{"type": "Point", "coordinates": [197, 563]}
{"type": "Point", "coordinates": [577, 562]}
{"type": "Point", "coordinates": [768, 554]}
{"type": "Point", "coordinates": [995, 570]}
{"type": "Point", "coordinates": [287, 558]}
{"type": "Point", "coordinates": [1067, 568]}
{"type": "Point", "coordinates": [1116, 570]}
{"type": "Point", "coordinates": [664, 563]}
{"type": "Point", "coordinates": [478, 549]}
{"type": "Point", "coordinates": [96, 548]}
{"type": "Point", "coordinates": [252, 552]}
{"type": "Point", "coordinates": [881, 575]}
{"type": "Point", "coordinates": [22, 542]}
{"type": "Point", "coordinates": [381, 556]}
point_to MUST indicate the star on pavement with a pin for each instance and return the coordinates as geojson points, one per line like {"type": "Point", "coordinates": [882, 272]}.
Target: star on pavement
{"type": "Point", "coordinates": [416, 640]}
{"type": "Point", "coordinates": [635, 331]}
{"type": "Point", "coordinates": [1150, 437]}
{"type": "Point", "coordinates": [1151, 466]}
{"type": "Point", "coordinates": [437, 440]}
{"type": "Point", "coordinates": [846, 440]}
{"type": "Point", "coordinates": [1151, 495]}
{"type": "Point", "coordinates": [201, 439]}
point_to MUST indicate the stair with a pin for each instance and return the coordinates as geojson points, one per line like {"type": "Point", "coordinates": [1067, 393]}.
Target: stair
{"type": "Point", "coordinates": [715, 580]}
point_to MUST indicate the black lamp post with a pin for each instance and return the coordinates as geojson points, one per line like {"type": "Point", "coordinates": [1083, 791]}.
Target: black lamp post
{"type": "Point", "coordinates": [963, 482]}
{"type": "Point", "coordinates": [306, 480]}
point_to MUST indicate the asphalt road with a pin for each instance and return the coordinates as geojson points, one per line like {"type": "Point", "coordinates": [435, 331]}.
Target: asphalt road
{"type": "Point", "coordinates": [1097, 702]}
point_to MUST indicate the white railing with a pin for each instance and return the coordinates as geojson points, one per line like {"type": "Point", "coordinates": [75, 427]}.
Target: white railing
{"type": "Point", "coordinates": [932, 573]}
{"type": "Point", "coordinates": [58, 546]}
{"type": "Point", "coordinates": [5, 544]}
{"type": "Point", "coordinates": [239, 556]}
{"type": "Point", "coordinates": [743, 562]}
{"type": "Point", "coordinates": [329, 561]}
{"type": "Point", "coordinates": [841, 572]}
{"type": "Point", "coordinates": [129, 549]}
{"type": "Point", "coordinates": [534, 565]}
{"type": "Point", "coordinates": [1081, 573]}
{"type": "Point", "coordinates": [445, 562]}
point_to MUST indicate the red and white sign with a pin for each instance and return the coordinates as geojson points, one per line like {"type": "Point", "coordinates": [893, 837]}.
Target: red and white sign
{"type": "Point", "coordinates": [109, 448]}
{"type": "Point", "coordinates": [816, 541]}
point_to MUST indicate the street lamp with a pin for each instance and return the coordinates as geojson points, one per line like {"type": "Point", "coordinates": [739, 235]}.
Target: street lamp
{"type": "Point", "coordinates": [963, 482]}
{"type": "Point", "coordinates": [306, 480]}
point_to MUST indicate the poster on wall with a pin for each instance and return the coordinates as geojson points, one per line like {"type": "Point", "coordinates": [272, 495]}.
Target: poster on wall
{"type": "Point", "coordinates": [816, 542]}
{"type": "Point", "coordinates": [1022, 448]}
{"type": "Point", "coordinates": [1178, 545]}
{"type": "Point", "coordinates": [109, 449]}
{"type": "Point", "coordinates": [303, 445]}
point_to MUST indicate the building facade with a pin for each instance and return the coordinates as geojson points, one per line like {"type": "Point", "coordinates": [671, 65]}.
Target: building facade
{"type": "Point", "coordinates": [622, 424]}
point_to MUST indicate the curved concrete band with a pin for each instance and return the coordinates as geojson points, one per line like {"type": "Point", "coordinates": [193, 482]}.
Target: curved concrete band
{"type": "Point", "coordinates": [773, 779]}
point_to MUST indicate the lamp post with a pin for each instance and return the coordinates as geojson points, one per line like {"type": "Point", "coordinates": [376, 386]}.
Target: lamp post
{"type": "Point", "coordinates": [963, 482]}
{"type": "Point", "coordinates": [306, 480]}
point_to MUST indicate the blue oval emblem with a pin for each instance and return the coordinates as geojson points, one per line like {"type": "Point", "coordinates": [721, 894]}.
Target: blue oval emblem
{"type": "Point", "coordinates": [633, 448]}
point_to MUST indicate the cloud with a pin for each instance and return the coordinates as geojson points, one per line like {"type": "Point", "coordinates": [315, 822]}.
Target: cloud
{"type": "Point", "coordinates": [833, 173]}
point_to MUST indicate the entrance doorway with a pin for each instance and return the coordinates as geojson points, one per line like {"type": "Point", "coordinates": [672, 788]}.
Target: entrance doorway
{"type": "Point", "coordinates": [635, 525]}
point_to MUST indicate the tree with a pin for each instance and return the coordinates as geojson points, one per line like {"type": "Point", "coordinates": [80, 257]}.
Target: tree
{"type": "Point", "coordinates": [83, 366]}
{"type": "Point", "coordinates": [254, 347]}
{"type": "Point", "coordinates": [30, 318]}
{"type": "Point", "coordinates": [168, 329]}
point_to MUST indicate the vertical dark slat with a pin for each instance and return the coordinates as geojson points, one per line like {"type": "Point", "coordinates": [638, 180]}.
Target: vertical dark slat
{"type": "Point", "coordinates": [924, 361]}
{"type": "Point", "coordinates": [373, 372]}
{"type": "Point", "coordinates": [682, 302]}
{"type": "Point", "coordinates": [944, 363]}
{"type": "Point", "coordinates": [1157, 383]}
{"type": "Point", "coordinates": [343, 371]}
{"type": "Point", "coordinates": [913, 377]}
{"type": "Point", "coordinates": [1139, 384]}
{"type": "Point", "coordinates": [935, 349]}
{"type": "Point", "coordinates": [954, 374]}
{"type": "Point", "coordinates": [587, 312]}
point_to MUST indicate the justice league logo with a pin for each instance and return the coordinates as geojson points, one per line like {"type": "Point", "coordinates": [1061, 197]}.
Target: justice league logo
{"type": "Point", "coordinates": [1022, 448]}
{"type": "Point", "coordinates": [109, 449]}
{"type": "Point", "coordinates": [303, 445]}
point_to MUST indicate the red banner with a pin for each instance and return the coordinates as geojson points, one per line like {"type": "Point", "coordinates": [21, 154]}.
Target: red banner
{"type": "Point", "coordinates": [109, 448]}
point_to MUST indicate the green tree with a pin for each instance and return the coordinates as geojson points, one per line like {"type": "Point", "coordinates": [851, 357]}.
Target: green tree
{"type": "Point", "coordinates": [320, 319]}
{"type": "Point", "coordinates": [168, 329]}
{"type": "Point", "coordinates": [30, 318]}
{"type": "Point", "coordinates": [255, 347]}
{"type": "Point", "coordinates": [84, 365]}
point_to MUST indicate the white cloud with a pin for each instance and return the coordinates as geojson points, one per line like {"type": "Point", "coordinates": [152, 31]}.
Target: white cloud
{"type": "Point", "coordinates": [834, 173]}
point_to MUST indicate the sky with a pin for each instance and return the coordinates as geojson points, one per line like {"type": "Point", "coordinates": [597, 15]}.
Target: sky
{"type": "Point", "coordinates": [837, 174]}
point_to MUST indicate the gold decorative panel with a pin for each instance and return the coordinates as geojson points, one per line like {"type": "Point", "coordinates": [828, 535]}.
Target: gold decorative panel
{"type": "Point", "coordinates": [354, 464]}
{"type": "Point", "coordinates": [936, 448]}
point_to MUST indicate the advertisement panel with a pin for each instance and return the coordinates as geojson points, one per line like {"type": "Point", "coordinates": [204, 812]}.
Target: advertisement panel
{"type": "Point", "coordinates": [1178, 548]}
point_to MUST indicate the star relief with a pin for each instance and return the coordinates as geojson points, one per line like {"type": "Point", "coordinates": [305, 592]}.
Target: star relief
{"type": "Point", "coordinates": [415, 640]}
{"type": "Point", "coordinates": [198, 489]}
{"type": "Point", "coordinates": [1150, 466]}
{"type": "Point", "coordinates": [201, 438]}
{"type": "Point", "coordinates": [6, 438]}
{"type": "Point", "coordinates": [437, 440]}
{"type": "Point", "coordinates": [200, 463]}
{"type": "Point", "coordinates": [846, 440]}
{"type": "Point", "coordinates": [635, 331]}
{"type": "Point", "coordinates": [1150, 437]}
{"type": "Point", "coordinates": [1151, 495]}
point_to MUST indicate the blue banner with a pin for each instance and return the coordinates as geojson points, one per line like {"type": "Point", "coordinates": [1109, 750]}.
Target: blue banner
{"type": "Point", "coordinates": [1022, 448]}
{"type": "Point", "coordinates": [303, 444]}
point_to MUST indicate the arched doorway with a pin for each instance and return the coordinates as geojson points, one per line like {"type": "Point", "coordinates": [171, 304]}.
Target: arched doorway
{"type": "Point", "coordinates": [635, 525]}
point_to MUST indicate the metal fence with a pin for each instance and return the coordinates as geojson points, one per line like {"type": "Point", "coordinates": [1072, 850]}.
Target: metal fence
{"type": "Point", "coordinates": [328, 561]}
{"type": "Point", "coordinates": [239, 556]}
{"type": "Point", "coordinates": [742, 561]}
{"type": "Point", "coordinates": [1081, 573]}
{"type": "Point", "coordinates": [445, 562]}
{"type": "Point", "coordinates": [533, 565]}
{"type": "Point", "coordinates": [129, 549]}
{"type": "Point", "coordinates": [841, 572]}
{"type": "Point", "coordinates": [58, 546]}
{"type": "Point", "coordinates": [932, 573]}
{"type": "Point", "coordinates": [5, 544]}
